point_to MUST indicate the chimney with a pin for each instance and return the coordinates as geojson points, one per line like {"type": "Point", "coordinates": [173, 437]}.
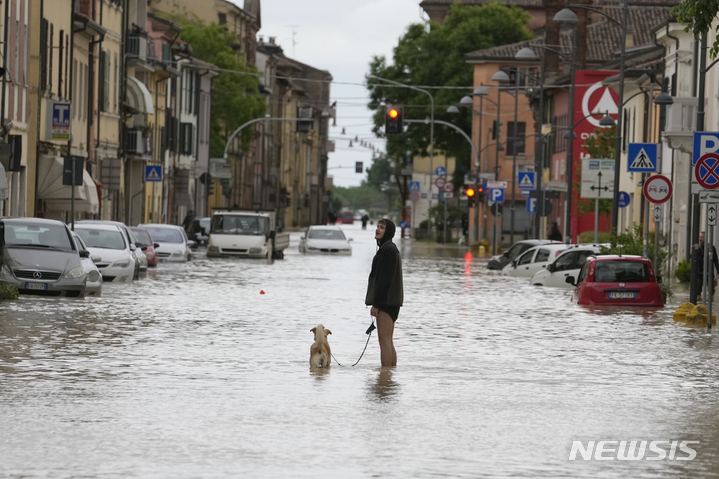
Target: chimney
{"type": "Point", "coordinates": [629, 41]}
{"type": "Point", "coordinates": [272, 40]}
{"type": "Point", "coordinates": [551, 38]}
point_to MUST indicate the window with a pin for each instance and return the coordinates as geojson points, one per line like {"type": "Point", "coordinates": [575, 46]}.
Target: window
{"type": "Point", "coordinates": [526, 258]}
{"type": "Point", "coordinates": [49, 73]}
{"type": "Point", "coordinates": [221, 18]}
{"type": "Point", "coordinates": [74, 88]}
{"type": "Point", "coordinates": [59, 63]}
{"type": "Point", "coordinates": [621, 271]}
{"type": "Point", "coordinates": [103, 95]}
{"type": "Point", "coordinates": [542, 256]}
{"type": "Point", "coordinates": [187, 131]}
{"type": "Point", "coordinates": [521, 126]}
{"type": "Point", "coordinates": [114, 88]}
{"type": "Point", "coordinates": [581, 258]}
{"type": "Point", "coordinates": [564, 262]}
{"type": "Point", "coordinates": [67, 64]}
{"type": "Point", "coordinates": [583, 273]}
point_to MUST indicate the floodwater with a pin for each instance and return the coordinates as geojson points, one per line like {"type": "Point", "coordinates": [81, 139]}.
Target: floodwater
{"type": "Point", "coordinates": [192, 372]}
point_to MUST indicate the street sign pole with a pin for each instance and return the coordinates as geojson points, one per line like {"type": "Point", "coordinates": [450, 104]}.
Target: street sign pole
{"type": "Point", "coordinates": [645, 249]}
{"type": "Point", "coordinates": [705, 281]}
{"type": "Point", "coordinates": [709, 248]}
{"type": "Point", "coordinates": [596, 211]}
{"type": "Point", "coordinates": [72, 197]}
{"type": "Point", "coordinates": [658, 209]}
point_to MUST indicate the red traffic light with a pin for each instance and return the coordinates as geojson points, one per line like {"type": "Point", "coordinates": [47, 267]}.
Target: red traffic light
{"type": "Point", "coordinates": [393, 113]}
{"type": "Point", "coordinates": [471, 192]}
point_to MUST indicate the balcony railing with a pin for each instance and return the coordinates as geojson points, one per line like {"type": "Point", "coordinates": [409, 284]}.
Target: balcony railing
{"type": "Point", "coordinates": [136, 45]}
{"type": "Point", "coordinates": [137, 144]}
{"type": "Point", "coordinates": [151, 52]}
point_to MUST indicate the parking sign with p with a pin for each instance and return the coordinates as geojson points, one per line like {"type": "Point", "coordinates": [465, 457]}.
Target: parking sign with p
{"type": "Point", "coordinates": [496, 195]}
{"type": "Point", "coordinates": [704, 142]}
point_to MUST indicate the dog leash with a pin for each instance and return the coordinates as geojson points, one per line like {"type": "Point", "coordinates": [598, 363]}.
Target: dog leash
{"type": "Point", "coordinates": [369, 336]}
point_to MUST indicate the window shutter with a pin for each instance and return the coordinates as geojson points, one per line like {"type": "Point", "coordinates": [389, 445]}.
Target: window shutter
{"type": "Point", "coordinates": [101, 82]}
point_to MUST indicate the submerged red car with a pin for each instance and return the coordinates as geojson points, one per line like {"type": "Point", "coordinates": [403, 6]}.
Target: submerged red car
{"type": "Point", "coordinates": [617, 280]}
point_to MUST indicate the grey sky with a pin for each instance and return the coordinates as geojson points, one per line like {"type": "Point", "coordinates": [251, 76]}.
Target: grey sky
{"type": "Point", "coordinates": [341, 36]}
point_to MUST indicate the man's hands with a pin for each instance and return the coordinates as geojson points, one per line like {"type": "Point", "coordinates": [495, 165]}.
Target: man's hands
{"type": "Point", "coordinates": [373, 312]}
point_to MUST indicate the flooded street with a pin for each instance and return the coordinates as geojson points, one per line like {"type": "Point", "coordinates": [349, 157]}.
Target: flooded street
{"type": "Point", "coordinates": [191, 372]}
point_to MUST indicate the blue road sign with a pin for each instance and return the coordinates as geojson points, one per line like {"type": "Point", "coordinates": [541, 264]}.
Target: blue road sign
{"type": "Point", "coordinates": [440, 171]}
{"type": "Point", "coordinates": [526, 180]}
{"type": "Point", "coordinates": [403, 224]}
{"type": "Point", "coordinates": [624, 199]}
{"type": "Point", "coordinates": [642, 157]}
{"type": "Point", "coordinates": [704, 142]}
{"type": "Point", "coordinates": [414, 186]}
{"type": "Point", "coordinates": [496, 195]}
{"type": "Point", "coordinates": [531, 205]}
{"type": "Point", "coordinates": [153, 173]}
{"type": "Point", "coordinates": [60, 121]}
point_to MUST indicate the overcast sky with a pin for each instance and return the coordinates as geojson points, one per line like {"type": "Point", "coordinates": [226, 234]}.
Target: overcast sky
{"type": "Point", "coordinates": [341, 36]}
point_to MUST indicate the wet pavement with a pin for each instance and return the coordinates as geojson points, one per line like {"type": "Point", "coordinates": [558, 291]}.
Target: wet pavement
{"type": "Point", "coordinates": [192, 372]}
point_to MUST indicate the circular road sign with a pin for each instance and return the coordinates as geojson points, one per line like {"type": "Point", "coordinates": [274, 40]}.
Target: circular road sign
{"type": "Point", "coordinates": [496, 209]}
{"type": "Point", "coordinates": [707, 171]}
{"type": "Point", "coordinates": [414, 197]}
{"type": "Point", "coordinates": [658, 189]}
{"type": "Point", "coordinates": [448, 187]}
{"type": "Point", "coordinates": [624, 199]}
{"type": "Point", "coordinates": [440, 182]}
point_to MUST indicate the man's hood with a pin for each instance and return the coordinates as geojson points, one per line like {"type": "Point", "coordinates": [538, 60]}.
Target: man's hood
{"type": "Point", "coordinates": [389, 231]}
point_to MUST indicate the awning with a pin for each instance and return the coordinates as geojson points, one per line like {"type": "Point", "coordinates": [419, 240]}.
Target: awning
{"type": "Point", "coordinates": [3, 184]}
{"type": "Point", "coordinates": [138, 96]}
{"type": "Point", "coordinates": [57, 197]}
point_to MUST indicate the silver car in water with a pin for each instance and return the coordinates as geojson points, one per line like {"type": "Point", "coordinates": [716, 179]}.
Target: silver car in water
{"type": "Point", "coordinates": [40, 257]}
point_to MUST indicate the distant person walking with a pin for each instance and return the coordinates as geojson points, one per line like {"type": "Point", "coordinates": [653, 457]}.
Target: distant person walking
{"type": "Point", "coordinates": [332, 217]}
{"type": "Point", "coordinates": [385, 291]}
{"type": "Point", "coordinates": [700, 266]}
{"type": "Point", "coordinates": [365, 219]}
{"type": "Point", "coordinates": [554, 233]}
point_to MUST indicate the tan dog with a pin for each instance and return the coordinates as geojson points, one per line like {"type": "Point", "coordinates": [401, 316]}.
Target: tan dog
{"type": "Point", "coordinates": [320, 353]}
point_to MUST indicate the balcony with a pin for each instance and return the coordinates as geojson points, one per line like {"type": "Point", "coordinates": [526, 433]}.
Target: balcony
{"type": "Point", "coordinates": [681, 123]}
{"type": "Point", "coordinates": [136, 46]}
{"type": "Point", "coordinates": [137, 144]}
{"type": "Point", "coordinates": [151, 52]}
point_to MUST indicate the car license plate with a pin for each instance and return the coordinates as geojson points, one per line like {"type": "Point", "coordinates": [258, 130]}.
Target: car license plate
{"type": "Point", "coordinates": [40, 286]}
{"type": "Point", "coordinates": [161, 260]}
{"type": "Point", "coordinates": [622, 295]}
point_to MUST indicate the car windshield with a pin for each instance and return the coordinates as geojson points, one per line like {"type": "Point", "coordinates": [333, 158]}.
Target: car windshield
{"type": "Point", "coordinates": [621, 271]}
{"type": "Point", "coordinates": [326, 234]}
{"type": "Point", "coordinates": [80, 243]}
{"type": "Point", "coordinates": [106, 239]}
{"type": "Point", "coordinates": [142, 235]}
{"type": "Point", "coordinates": [165, 235]}
{"type": "Point", "coordinates": [39, 236]}
{"type": "Point", "coordinates": [239, 225]}
{"type": "Point", "coordinates": [205, 224]}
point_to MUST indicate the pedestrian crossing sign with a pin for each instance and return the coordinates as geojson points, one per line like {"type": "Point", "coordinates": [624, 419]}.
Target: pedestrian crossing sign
{"type": "Point", "coordinates": [642, 157]}
{"type": "Point", "coordinates": [153, 173]}
{"type": "Point", "coordinates": [526, 180]}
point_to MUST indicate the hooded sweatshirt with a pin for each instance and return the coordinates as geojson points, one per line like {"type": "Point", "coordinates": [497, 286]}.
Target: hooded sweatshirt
{"type": "Point", "coordinates": [385, 289]}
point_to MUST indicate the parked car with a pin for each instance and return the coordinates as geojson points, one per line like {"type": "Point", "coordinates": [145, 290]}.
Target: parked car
{"type": "Point", "coordinates": [199, 231]}
{"type": "Point", "coordinates": [94, 277]}
{"type": "Point", "coordinates": [498, 262]}
{"type": "Point", "coordinates": [109, 244]}
{"type": "Point", "coordinates": [329, 240]}
{"type": "Point", "coordinates": [533, 260]}
{"type": "Point", "coordinates": [617, 280]}
{"type": "Point", "coordinates": [149, 249]}
{"type": "Point", "coordinates": [40, 257]}
{"type": "Point", "coordinates": [568, 263]}
{"type": "Point", "coordinates": [172, 243]}
{"type": "Point", "coordinates": [137, 253]}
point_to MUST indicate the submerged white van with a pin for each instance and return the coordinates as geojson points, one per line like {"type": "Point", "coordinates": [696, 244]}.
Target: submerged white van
{"type": "Point", "coordinates": [247, 234]}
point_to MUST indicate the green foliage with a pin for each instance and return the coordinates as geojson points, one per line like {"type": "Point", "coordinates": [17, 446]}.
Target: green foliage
{"type": "Point", "coordinates": [358, 197]}
{"type": "Point", "coordinates": [684, 270]}
{"type": "Point", "coordinates": [454, 213]}
{"type": "Point", "coordinates": [435, 56]}
{"type": "Point", "coordinates": [379, 172]}
{"type": "Point", "coordinates": [8, 291]}
{"type": "Point", "coordinates": [588, 237]}
{"type": "Point", "coordinates": [235, 98]}
{"type": "Point", "coordinates": [698, 16]}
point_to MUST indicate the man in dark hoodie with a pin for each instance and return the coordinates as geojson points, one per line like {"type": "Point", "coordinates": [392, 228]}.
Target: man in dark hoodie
{"type": "Point", "coordinates": [385, 291]}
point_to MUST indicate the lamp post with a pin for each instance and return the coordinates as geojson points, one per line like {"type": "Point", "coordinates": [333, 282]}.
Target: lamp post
{"type": "Point", "coordinates": [499, 77]}
{"type": "Point", "coordinates": [431, 136]}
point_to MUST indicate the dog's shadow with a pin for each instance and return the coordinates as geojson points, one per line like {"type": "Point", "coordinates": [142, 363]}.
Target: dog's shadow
{"type": "Point", "coordinates": [383, 388]}
{"type": "Point", "coordinates": [319, 373]}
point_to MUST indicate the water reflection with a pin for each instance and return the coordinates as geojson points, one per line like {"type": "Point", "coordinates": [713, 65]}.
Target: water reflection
{"type": "Point", "coordinates": [383, 388]}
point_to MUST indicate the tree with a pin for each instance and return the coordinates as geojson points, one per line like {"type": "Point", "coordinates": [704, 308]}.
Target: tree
{"type": "Point", "coordinates": [235, 98]}
{"type": "Point", "coordinates": [379, 172]}
{"type": "Point", "coordinates": [434, 56]}
{"type": "Point", "coordinates": [698, 16]}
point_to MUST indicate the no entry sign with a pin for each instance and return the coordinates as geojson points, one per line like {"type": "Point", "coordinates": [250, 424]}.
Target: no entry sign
{"type": "Point", "coordinates": [707, 171]}
{"type": "Point", "coordinates": [658, 189]}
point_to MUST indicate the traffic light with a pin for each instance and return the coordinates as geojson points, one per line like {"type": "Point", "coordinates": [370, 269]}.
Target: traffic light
{"type": "Point", "coordinates": [393, 119]}
{"type": "Point", "coordinates": [210, 188]}
{"type": "Point", "coordinates": [471, 196]}
{"type": "Point", "coordinates": [496, 130]}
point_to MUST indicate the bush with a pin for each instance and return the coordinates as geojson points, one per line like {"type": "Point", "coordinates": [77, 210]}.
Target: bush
{"type": "Point", "coordinates": [588, 237]}
{"type": "Point", "coordinates": [8, 291]}
{"type": "Point", "coordinates": [683, 272]}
